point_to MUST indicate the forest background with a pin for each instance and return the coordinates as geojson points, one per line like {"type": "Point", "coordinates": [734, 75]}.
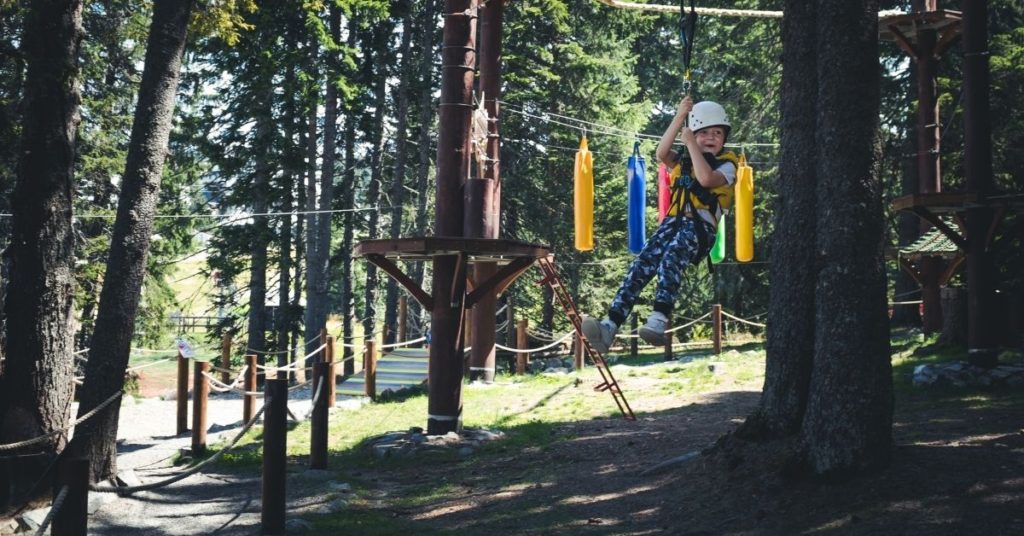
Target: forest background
{"type": "Point", "coordinates": [303, 127]}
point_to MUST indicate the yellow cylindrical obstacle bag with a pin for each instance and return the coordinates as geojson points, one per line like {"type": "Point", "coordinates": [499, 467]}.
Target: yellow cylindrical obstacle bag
{"type": "Point", "coordinates": [744, 207]}
{"type": "Point", "coordinates": [583, 194]}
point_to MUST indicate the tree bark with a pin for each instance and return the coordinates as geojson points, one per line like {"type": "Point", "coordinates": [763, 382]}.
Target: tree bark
{"type": "Point", "coordinates": [428, 43]}
{"type": "Point", "coordinates": [348, 189]}
{"type": "Point", "coordinates": [136, 209]}
{"type": "Point", "coordinates": [35, 388]}
{"type": "Point", "coordinates": [314, 257]}
{"type": "Point", "coordinates": [378, 38]}
{"type": "Point", "coordinates": [327, 181]}
{"type": "Point", "coordinates": [257, 340]}
{"type": "Point", "coordinates": [847, 427]}
{"type": "Point", "coordinates": [790, 337]}
{"type": "Point", "coordinates": [401, 155]}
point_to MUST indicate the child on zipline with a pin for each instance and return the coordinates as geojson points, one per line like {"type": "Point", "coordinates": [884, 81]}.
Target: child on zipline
{"type": "Point", "coordinates": [702, 188]}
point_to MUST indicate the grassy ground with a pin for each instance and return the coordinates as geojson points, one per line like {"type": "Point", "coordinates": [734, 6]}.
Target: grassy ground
{"type": "Point", "coordinates": [570, 464]}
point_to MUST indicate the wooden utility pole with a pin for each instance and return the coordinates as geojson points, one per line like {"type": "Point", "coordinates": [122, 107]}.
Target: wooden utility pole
{"type": "Point", "coordinates": [484, 193]}
{"type": "Point", "coordinates": [458, 63]}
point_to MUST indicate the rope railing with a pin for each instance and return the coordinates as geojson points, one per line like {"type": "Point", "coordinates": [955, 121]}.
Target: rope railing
{"type": "Point", "coordinates": [742, 320]}
{"type": "Point", "coordinates": [76, 422]}
{"type": "Point", "coordinates": [294, 366]}
{"type": "Point", "coordinates": [222, 387]}
{"type": "Point", "coordinates": [688, 324]}
{"type": "Point", "coordinates": [187, 473]}
{"type": "Point", "coordinates": [400, 344]}
{"type": "Point", "coordinates": [140, 367]}
{"type": "Point", "coordinates": [58, 502]}
{"type": "Point", "coordinates": [534, 350]}
{"type": "Point", "coordinates": [282, 352]}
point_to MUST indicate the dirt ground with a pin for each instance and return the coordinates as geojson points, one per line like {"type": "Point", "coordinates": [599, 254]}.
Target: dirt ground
{"type": "Point", "coordinates": [957, 468]}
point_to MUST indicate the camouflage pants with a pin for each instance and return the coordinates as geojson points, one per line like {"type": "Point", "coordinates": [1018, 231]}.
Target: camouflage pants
{"type": "Point", "coordinates": [667, 253]}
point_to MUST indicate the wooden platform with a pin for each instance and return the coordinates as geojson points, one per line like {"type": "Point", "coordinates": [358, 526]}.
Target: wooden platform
{"type": "Point", "coordinates": [514, 256]}
{"type": "Point", "coordinates": [931, 207]}
{"type": "Point", "coordinates": [475, 249]}
{"type": "Point", "coordinates": [903, 29]}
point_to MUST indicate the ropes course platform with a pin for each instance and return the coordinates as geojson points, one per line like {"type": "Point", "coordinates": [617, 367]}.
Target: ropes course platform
{"type": "Point", "coordinates": [513, 256]}
{"type": "Point", "coordinates": [932, 206]}
{"type": "Point", "coordinates": [904, 28]}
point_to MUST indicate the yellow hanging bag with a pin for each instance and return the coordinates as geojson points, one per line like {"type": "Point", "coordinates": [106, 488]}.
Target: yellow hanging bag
{"type": "Point", "coordinates": [583, 181]}
{"type": "Point", "coordinates": [744, 207]}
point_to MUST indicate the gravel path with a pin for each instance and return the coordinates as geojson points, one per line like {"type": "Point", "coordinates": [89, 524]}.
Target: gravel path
{"type": "Point", "coordinates": [210, 502]}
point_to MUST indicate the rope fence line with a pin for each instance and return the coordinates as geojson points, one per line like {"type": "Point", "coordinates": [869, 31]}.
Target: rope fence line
{"type": "Point", "coordinates": [400, 344]}
{"type": "Point", "coordinates": [688, 324]}
{"type": "Point", "coordinates": [533, 350]}
{"type": "Point", "coordinates": [294, 366]}
{"type": "Point", "coordinates": [80, 420]}
{"type": "Point", "coordinates": [187, 473]}
{"type": "Point", "coordinates": [742, 320]}
{"type": "Point", "coordinates": [140, 367]}
{"type": "Point", "coordinates": [222, 387]}
{"type": "Point", "coordinates": [58, 502]}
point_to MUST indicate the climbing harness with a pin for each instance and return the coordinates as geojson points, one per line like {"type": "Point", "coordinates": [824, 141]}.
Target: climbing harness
{"type": "Point", "coordinates": [689, 196]}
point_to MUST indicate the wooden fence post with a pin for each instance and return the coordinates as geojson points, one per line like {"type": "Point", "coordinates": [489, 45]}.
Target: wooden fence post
{"type": "Point", "coordinates": [403, 312]}
{"type": "Point", "coordinates": [201, 392]}
{"type": "Point", "coordinates": [225, 358]}
{"type": "Point", "coordinates": [318, 422]}
{"type": "Point", "coordinates": [182, 394]}
{"type": "Point", "coordinates": [331, 387]}
{"type": "Point", "coordinates": [249, 384]}
{"type": "Point", "coordinates": [72, 519]}
{"type": "Point", "coordinates": [370, 369]}
{"type": "Point", "coordinates": [634, 341]}
{"type": "Point", "coordinates": [275, 430]}
{"type": "Point", "coordinates": [716, 317]}
{"type": "Point", "coordinates": [668, 356]}
{"type": "Point", "coordinates": [521, 343]}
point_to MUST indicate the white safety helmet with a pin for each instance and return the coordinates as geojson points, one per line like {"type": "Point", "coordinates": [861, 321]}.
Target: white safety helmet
{"type": "Point", "coordinates": [709, 114]}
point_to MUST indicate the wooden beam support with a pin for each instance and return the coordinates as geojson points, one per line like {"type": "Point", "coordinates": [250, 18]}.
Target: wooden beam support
{"type": "Point", "coordinates": [931, 218]}
{"type": "Point", "coordinates": [425, 299]}
{"type": "Point", "coordinates": [903, 41]}
{"type": "Point", "coordinates": [500, 280]}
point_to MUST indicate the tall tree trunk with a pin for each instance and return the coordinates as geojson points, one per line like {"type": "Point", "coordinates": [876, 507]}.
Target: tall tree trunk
{"type": "Point", "coordinates": [136, 209]}
{"type": "Point", "coordinates": [323, 230]}
{"type": "Point", "coordinates": [35, 389]}
{"type": "Point", "coordinates": [261, 228]}
{"type": "Point", "coordinates": [790, 340]}
{"type": "Point", "coordinates": [847, 427]}
{"type": "Point", "coordinates": [428, 43]}
{"type": "Point", "coordinates": [284, 280]}
{"type": "Point", "coordinates": [377, 42]}
{"type": "Point", "coordinates": [401, 153]}
{"type": "Point", "coordinates": [348, 223]}
{"type": "Point", "coordinates": [313, 254]}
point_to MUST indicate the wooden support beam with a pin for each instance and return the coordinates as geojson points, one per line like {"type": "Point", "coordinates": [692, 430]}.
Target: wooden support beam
{"type": "Point", "coordinates": [394, 271]}
{"type": "Point", "coordinates": [929, 216]}
{"type": "Point", "coordinates": [500, 280]}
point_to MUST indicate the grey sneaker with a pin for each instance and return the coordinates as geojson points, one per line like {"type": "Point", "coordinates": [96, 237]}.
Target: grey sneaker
{"type": "Point", "coordinates": [600, 334]}
{"type": "Point", "coordinates": [653, 332]}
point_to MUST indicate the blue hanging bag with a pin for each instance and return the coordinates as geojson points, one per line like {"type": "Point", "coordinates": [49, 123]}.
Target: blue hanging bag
{"type": "Point", "coordinates": [637, 198]}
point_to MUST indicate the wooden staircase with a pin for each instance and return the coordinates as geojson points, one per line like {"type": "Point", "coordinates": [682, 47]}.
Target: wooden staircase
{"type": "Point", "coordinates": [401, 368]}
